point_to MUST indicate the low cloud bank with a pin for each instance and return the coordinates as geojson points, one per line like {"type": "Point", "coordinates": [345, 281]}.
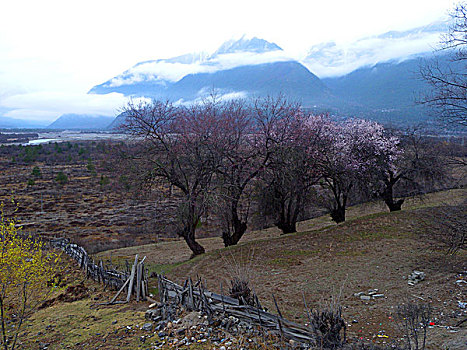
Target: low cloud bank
{"type": "Point", "coordinates": [172, 71]}
{"type": "Point", "coordinates": [331, 59]}
{"type": "Point", "coordinates": [49, 105]}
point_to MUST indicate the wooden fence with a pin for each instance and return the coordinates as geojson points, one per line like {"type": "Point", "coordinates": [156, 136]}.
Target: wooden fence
{"type": "Point", "coordinates": [135, 281]}
{"type": "Point", "coordinates": [194, 296]}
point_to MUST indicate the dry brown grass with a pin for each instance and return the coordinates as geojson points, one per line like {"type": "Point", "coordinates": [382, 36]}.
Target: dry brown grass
{"type": "Point", "coordinates": [373, 249]}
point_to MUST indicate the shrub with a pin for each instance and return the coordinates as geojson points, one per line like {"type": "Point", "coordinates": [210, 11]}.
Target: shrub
{"type": "Point", "coordinates": [27, 276]}
{"type": "Point", "coordinates": [413, 320]}
{"type": "Point", "coordinates": [328, 326]}
{"type": "Point", "coordinates": [104, 181]}
{"type": "Point", "coordinates": [91, 167]}
{"type": "Point", "coordinates": [61, 178]}
{"type": "Point", "coordinates": [240, 277]}
{"type": "Point", "coordinates": [36, 172]}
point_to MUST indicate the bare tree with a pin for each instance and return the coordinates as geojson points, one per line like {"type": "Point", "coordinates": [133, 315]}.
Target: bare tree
{"type": "Point", "coordinates": [449, 82]}
{"type": "Point", "coordinates": [292, 170]}
{"type": "Point", "coordinates": [243, 152]}
{"type": "Point", "coordinates": [252, 135]}
{"type": "Point", "coordinates": [173, 144]}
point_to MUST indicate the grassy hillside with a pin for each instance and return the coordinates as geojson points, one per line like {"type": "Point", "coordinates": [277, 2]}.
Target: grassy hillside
{"type": "Point", "coordinates": [373, 249]}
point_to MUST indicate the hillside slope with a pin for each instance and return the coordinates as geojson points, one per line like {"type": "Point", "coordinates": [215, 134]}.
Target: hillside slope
{"type": "Point", "coordinates": [369, 251]}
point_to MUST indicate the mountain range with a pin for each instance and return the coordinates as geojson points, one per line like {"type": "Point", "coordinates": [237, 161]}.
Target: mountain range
{"type": "Point", "coordinates": [372, 78]}
{"type": "Point", "coordinates": [73, 121]}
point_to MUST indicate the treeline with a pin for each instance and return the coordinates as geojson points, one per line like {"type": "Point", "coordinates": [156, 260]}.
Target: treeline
{"type": "Point", "coordinates": [220, 156]}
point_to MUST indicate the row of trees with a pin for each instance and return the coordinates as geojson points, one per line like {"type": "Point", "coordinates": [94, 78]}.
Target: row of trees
{"type": "Point", "coordinates": [225, 155]}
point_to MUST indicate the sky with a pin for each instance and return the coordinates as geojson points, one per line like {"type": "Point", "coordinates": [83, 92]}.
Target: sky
{"type": "Point", "coordinates": [53, 51]}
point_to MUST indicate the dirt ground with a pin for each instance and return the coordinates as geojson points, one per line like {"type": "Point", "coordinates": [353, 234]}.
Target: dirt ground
{"type": "Point", "coordinates": [364, 254]}
{"type": "Point", "coordinates": [373, 249]}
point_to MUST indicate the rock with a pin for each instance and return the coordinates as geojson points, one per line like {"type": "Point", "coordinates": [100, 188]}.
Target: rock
{"type": "Point", "coordinates": [43, 346]}
{"type": "Point", "coordinates": [375, 296]}
{"type": "Point", "coordinates": [162, 334]}
{"type": "Point", "coordinates": [191, 319]}
{"type": "Point", "coordinates": [415, 277]}
{"type": "Point", "coordinates": [147, 327]}
{"type": "Point", "coordinates": [153, 305]}
{"type": "Point", "coordinates": [152, 314]}
{"type": "Point", "coordinates": [114, 322]}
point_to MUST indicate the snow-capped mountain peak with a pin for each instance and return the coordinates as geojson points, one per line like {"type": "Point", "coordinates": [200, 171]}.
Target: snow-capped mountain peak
{"type": "Point", "coordinates": [254, 45]}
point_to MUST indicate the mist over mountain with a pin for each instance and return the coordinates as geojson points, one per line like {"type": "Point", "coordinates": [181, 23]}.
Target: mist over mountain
{"type": "Point", "coordinates": [331, 59]}
{"type": "Point", "coordinates": [11, 123]}
{"type": "Point", "coordinates": [156, 78]}
{"type": "Point", "coordinates": [374, 77]}
{"type": "Point", "coordinates": [290, 78]}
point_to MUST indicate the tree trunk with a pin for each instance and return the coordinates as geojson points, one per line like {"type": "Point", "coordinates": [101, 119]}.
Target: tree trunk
{"type": "Point", "coordinates": [188, 235]}
{"type": "Point", "coordinates": [195, 247]}
{"type": "Point", "coordinates": [239, 228]}
{"type": "Point", "coordinates": [338, 214]}
{"type": "Point", "coordinates": [287, 227]}
{"type": "Point", "coordinates": [388, 198]}
{"type": "Point", "coordinates": [338, 210]}
{"type": "Point", "coordinates": [289, 211]}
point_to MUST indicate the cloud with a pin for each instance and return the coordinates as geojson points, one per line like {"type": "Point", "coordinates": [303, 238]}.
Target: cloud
{"type": "Point", "coordinates": [172, 71]}
{"type": "Point", "coordinates": [331, 59]}
{"type": "Point", "coordinates": [221, 94]}
{"type": "Point", "coordinates": [48, 105]}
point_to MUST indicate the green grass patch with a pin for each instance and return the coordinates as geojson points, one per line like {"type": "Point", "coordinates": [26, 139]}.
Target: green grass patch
{"type": "Point", "coordinates": [352, 253]}
{"type": "Point", "coordinates": [75, 323]}
{"type": "Point", "coordinates": [299, 252]}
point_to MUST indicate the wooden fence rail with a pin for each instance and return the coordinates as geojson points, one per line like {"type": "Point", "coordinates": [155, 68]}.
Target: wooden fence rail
{"type": "Point", "coordinates": [194, 296]}
{"type": "Point", "coordinates": [134, 282]}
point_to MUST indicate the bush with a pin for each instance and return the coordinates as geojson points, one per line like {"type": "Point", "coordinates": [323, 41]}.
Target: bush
{"type": "Point", "coordinates": [61, 178]}
{"type": "Point", "coordinates": [91, 168]}
{"type": "Point", "coordinates": [240, 276]}
{"type": "Point", "coordinates": [104, 181]}
{"type": "Point", "coordinates": [36, 172]}
{"type": "Point", "coordinates": [328, 326]}
{"type": "Point", "coordinates": [413, 320]}
{"type": "Point", "coordinates": [27, 276]}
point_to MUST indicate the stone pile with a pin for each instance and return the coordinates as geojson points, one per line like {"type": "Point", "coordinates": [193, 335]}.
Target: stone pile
{"type": "Point", "coordinates": [220, 331]}
{"type": "Point", "coordinates": [415, 277]}
{"type": "Point", "coordinates": [370, 294]}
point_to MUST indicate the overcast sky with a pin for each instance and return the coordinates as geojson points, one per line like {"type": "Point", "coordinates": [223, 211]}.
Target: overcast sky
{"type": "Point", "coordinates": [53, 51]}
